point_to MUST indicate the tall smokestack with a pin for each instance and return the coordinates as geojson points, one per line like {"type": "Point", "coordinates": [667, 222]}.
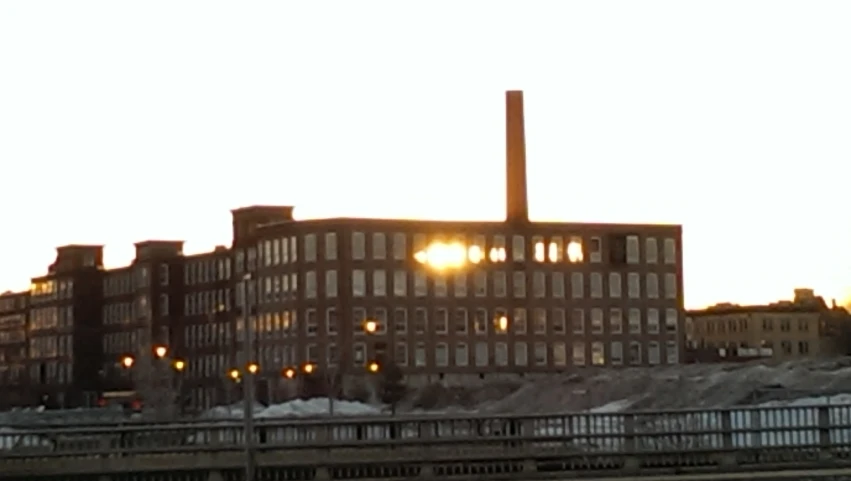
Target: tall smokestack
{"type": "Point", "coordinates": [516, 202]}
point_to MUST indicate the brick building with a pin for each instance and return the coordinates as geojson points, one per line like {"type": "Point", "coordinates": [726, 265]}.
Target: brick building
{"type": "Point", "coordinates": [449, 300]}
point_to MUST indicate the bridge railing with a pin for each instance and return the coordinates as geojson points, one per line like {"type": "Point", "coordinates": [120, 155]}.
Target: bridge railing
{"type": "Point", "coordinates": [657, 431]}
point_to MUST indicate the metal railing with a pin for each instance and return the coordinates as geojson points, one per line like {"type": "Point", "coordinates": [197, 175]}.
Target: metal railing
{"type": "Point", "coordinates": [659, 431]}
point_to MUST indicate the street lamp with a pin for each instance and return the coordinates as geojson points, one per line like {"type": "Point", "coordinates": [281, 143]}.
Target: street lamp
{"type": "Point", "coordinates": [234, 374]}
{"type": "Point", "coordinates": [374, 367]}
{"type": "Point", "coordinates": [127, 362]}
{"type": "Point", "coordinates": [179, 365]}
{"type": "Point", "coordinates": [370, 326]}
{"type": "Point", "coordinates": [253, 368]}
{"type": "Point", "coordinates": [160, 351]}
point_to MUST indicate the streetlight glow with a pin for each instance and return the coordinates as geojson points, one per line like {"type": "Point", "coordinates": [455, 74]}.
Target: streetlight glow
{"type": "Point", "coordinates": [127, 362]}
{"type": "Point", "coordinates": [234, 374]}
{"type": "Point", "coordinates": [374, 367]}
{"type": "Point", "coordinates": [370, 326]}
{"type": "Point", "coordinates": [179, 365]}
{"type": "Point", "coordinates": [289, 373]}
{"type": "Point", "coordinates": [309, 368]}
{"type": "Point", "coordinates": [253, 368]}
{"type": "Point", "coordinates": [160, 351]}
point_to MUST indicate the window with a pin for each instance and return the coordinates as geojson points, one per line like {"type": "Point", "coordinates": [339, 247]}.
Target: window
{"type": "Point", "coordinates": [163, 274]}
{"type": "Point", "coordinates": [634, 321]}
{"type": "Point", "coordinates": [420, 284]}
{"type": "Point", "coordinates": [633, 249]}
{"type": "Point", "coordinates": [539, 249]}
{"type": "Point", "coordinates": [557, 285]}
{"type": "Point", "coordinates": [671, 319]}
{"type": "Point", "coordinates": [379, 314]}
{"type": "Point", "coordinates": [519, 320]}
{"type": "Point", "coordinates": [559, 354]}
{"type": "Point", "coordinates": [652, 286]}
{"type": "Point", "coordinates": [331, 321]}
{"type": "Point", "coordinates": [481, 354]}
{"type": "Point", "coordinates": [359, 354]}
{"type": "Point", "coordinates": [460, 284]}
{"type": "Point", "coordinates": [500, 287]}
{"type": "Point", "coordinates": [441, 320]}
{"type": "Point", "coordinates": [577, 287]}
{"type": "Point", "coordinates": [634, 353]}
{"type": "Point", "coordinates": [519, 284]}
{"type": "Point", "coordinates": [441, 354]}
{"type": "Point", "coordinates": [598, 354]}
{"type": "Point", "coordinates": [670, 248]}
{"type": "Point", "coordinates": [401, 354]}
{"type": "Point", "coordinates": [400, 321]}
{"type": "Point", "coordinates": [500, 353]}
{"type": "Point", "coordinates": [358, 318]}
{"type": "Point", "coordinates": [616, 353]}
{"type": "Point", "coordinates": [596, 253]}
{"type": "Point", "coordinates": [420, 320]}
{"type": "Point", "coordinates": [518, 248]}
{"type": "Point", "coordinates": [379, 283]}
{"type": "Point", "coordinates": [672, 352]}
{"type": "Point", "coordinates": [358, 283]}
{"type": "Point", "coordinates": [309, 248]}
{"type": "Point", "coordinates": [163, 304]}
{"type": "Point", "coordinates": [596, 321]}
{"type": "Point", "coordinates": [358, 246]}
{"type": "Point", "coordinates": [539, 321]}
{"type": "Point", "coordinates": [521, 354]}
{"type": "Point", "coordinates": [462, 356]}
{"type": "Point", "coordinates": [400, 283]}
{"type": "Point", "coordinates": [460, 320]}
{"type": "Point", "coordinates": [653, 353]}
{"type": "Point", "coordinates": [578, 353]}
{"type": "Point", "coordinates": [596, 285]}
{"type": "Point", "coordinates": [539, 285]}
{"type": "Point", "coordinates": [399, 247]}
{"type": "Point", "coordinates": [310, 322]}
{"type": "Point", "coordinates": [615, 285]}
{"type": "Point", "coordinates": [670, 286]}
{"type": "Point", "coordinates": [540, 354]}
{"type": "Point", "coordinates": [633, 287]}
{"type": "Point", "coordinates": [331, 283]}
{"type": "Point", "coordinates": [379, 246]}
{"type": "Point", "coordinates": [615, 320]}
{"type": "Point", "coordinates": [440, 285]}
{"type": "Point", "coordinates": [481, 321]}
{"type": "Point", "coordinates": [420, 359]}
{"type": "Point", "coordinates": [330, 246]}
{"type": "Point", "coordinates": [577, 319]}
{"type": "Point", "coordinates": [574, 250]}
{"type": "Point", "coordinates": [652, 321]}
{"type": "Point", "coordinates": [651, 250]}
{"type": "Point", "coordinates": [497, 252]}
{"type": "Point", "coordinates": [559, 321]}
{"type": "Point", "coordinates": [309, 285]}
{"type": "Point", "coordinates": [480, 283]}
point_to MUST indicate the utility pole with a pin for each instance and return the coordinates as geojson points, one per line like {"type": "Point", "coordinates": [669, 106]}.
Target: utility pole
{"type": "Point", "coordinates": [248, 380]}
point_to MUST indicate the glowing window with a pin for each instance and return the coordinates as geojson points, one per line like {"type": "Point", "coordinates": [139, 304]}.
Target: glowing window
{"type": "Point", "coordinates": [575, 252]}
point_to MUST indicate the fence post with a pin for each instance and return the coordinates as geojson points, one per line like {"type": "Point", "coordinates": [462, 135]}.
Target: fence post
{"type": "Point", "coordinates": [823, 418]}
{"type": "Point", "coordinates": [727, 430]}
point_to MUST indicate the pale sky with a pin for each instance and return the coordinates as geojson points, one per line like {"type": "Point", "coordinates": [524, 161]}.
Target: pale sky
{"type": "Point", "coordinates": [123, 121]}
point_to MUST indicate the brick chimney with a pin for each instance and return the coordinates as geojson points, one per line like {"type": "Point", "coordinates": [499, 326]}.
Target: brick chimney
{"type": "Point", "coordinates": [516, 201]}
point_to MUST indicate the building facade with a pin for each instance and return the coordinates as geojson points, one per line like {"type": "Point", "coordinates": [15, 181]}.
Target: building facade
{"type": "Point", "coordinates": [803, 327]}
{"type": "Point", "coordinates": [13, 348]}
{"type": "Point", "coordinates": [443, 301]}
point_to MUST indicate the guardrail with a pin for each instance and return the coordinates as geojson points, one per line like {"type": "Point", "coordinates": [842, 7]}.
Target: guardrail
{"type": "Point", "coordinates": [426, 447]}
{"type": "Point", "coordinates": [659, 431]}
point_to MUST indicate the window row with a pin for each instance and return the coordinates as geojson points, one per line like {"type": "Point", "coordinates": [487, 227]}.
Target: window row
{"type": "Point", "coordinates": [203, 271]}
{"type": "Point", "coordinates": [381, 246]}
{"type": "Point", "coordinates": [58, 317]}
{"type": "Point", "coordinates": [463, 321]}
{"type": "Point", "coordinates": [204, 302]}
{"type": "Point", "coordinates": [482, 354]}
{"type": "Point", "coordinates": [42, 347]}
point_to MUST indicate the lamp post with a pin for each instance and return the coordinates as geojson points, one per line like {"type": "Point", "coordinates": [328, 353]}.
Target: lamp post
{"type": "Point", "coordinates": [249, 369]}
{"type": "Point", "coordinates": [172, 389]}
